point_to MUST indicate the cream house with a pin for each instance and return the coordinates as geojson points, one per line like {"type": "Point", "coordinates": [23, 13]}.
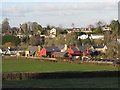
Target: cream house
{"type": "Point", "coordinates": [101, 48]}
{"type": "Point", "coordinates": [53, 33]}
{"type": "Point", "coordinates": [106, 28]}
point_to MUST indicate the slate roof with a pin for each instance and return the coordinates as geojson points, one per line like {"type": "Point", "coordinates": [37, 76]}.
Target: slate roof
{"type": "Point", "coordinates": [60, 47]}
{"type": "Point", "coordinates": [98, 46]}
{"type": "Point", "coordinates": [33, 49]}
{"type": "Point", "coordinates": [83, 48]}
{"type": "Point", "coordinates": [52, 49]}
{"type": "Point", "coordinates": [13, 49]}
{"type": "Point", "coordinates": [4, 49]}
{"type": "Point", "coordinates": [75, 49]}
{"type": "Point", "coordinates": [59, 53]}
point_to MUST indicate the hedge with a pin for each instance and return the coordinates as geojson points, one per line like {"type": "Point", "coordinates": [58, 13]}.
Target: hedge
{"type": "Point", "coordinates": [27, 75]}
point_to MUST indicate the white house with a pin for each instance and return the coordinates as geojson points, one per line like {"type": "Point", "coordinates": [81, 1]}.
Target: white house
{"type": "Point", "coordinates": [53, 32]}
{"type": "Point", "coordinates": [91, 36]}
{"type": "Point", "coordinates": [83, 36]}
{"type": "Point", "coordinates": [97, 36]}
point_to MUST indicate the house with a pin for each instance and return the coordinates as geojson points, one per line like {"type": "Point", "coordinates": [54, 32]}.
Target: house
{"type": "Point", "coordinates": [97, 37]}
{"type": "Point", "coordinates": [47, 51]}
{"type": "Point", "coordinates": [23, 27]}
{"type": "Point", "coordinates": [106, 28]}
{"type": "Point", "coordinates": [84, 36]}
{"type": "Point", "coordinates": [13, 50]}
{"type": "Point", "coordinates": [79, 51]}
{"type": "Point", "coordinates": [63, 48]}
{"type": "Point", "coordinates": [53, 33]}
{"type": "Point", "coordinates": [73, 30]}
{"type": "Point", "coordinates": [9, 51]}
{"type": "Point", "coordinates": [74, 51]}
{"type": "Point", "coordinates": [86, 30]}
{"type": "Point", "coordinates": [6, 51]}
{"type": "Point", "coordinates": [61, 54]}
{"type": "Point", "coordinates": [32, 51]}
{"type": "Point", "coordinates": [69, 30]}
{"type": "Point", "coordinates": [101, 48]}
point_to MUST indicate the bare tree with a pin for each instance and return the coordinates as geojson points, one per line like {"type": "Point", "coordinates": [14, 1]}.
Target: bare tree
{"type": "Point", "coordinates": [5, 25]}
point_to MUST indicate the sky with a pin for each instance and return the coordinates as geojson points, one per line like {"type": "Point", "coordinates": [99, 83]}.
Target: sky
{"type": "Point", "coordinates": [59, 12]}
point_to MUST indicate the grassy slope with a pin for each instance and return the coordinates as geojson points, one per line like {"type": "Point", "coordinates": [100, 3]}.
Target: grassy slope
{"type": "Point", "coordinates": [40, 66]}
{"type": "Point", "coordinates": [66, 83]}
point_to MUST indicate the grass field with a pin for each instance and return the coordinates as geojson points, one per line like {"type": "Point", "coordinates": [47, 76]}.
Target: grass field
{"type": "Point", "coordinates": [23, 65]}
{"type": "Point", "coordinates": [109, 82]}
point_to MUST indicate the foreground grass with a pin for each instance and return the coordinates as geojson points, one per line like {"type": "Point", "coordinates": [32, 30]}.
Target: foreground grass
{"type": "Point", "coordinates": [23, 65]}
{"type": "Point", "coordinates": [109, 82]}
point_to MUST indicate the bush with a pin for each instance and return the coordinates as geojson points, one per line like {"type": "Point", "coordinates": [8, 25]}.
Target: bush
{"type": "Point", "coordinates": [25, 76]}
{"type": "Point", "coordinates": [10, 38]}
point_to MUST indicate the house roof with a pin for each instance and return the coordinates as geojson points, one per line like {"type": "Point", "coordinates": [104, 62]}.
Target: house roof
{"type": "Point", "coordinates": [98, 46]}
{"type": "Point", "coordinates": [82, 48]}
{"type": "Point", "coordinates": [13, 49]}
{"type": "Point", "coordinates": [75, 49]}
{"type": "Point", "coordinates": [59, 53]}
{"type": "Point", "coordinates": [60, 47]}
{"type": "Point", "coordinates": [4, 49]}
{"type": "Point", "coordinates": [52, 48]}
{"type": "Point", "coordinates": [33, 49]}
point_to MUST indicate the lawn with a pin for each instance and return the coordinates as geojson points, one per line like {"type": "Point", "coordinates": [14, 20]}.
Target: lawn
{"type": "Point", "coordinates": [23, 65]}
{"type": "Point", "coordinates": [107, 82]}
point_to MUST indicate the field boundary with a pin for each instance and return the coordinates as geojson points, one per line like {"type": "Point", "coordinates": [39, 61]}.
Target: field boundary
{"type": "Point", "coordinates": [28, 75]}
{"type": "Point", "coordinates": [55, 60]}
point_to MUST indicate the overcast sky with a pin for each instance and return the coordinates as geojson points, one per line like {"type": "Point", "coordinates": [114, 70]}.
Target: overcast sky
{"type": "Point", "coordinates": [60, 12]}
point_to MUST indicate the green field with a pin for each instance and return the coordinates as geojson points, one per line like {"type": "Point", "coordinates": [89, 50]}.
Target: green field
{"type": "Point", "coordinates": [107, 82]}
{"type": "Point", "coordinates": [23, 65]}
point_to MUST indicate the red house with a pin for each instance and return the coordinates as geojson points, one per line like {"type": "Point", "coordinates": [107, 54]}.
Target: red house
{"type": "Point", "coordinates": [74, 51]}
{"type": "Point", "coordinates": [47, 51]}
{"type": "Point", "coordinates": [42, 52]}
{"type": "Point", "coordinates": [79, 51]}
